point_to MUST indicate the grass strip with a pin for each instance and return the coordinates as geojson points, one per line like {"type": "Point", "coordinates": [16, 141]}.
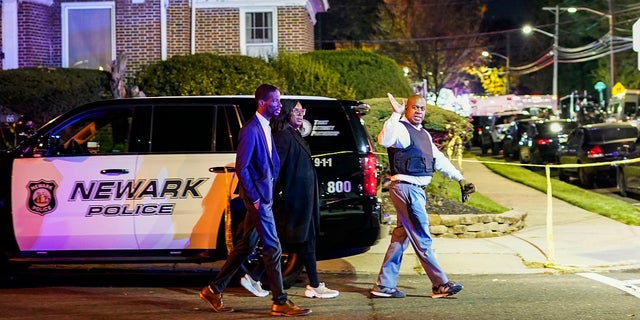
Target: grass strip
{"type": "Point", "coordinates": [615, 209]}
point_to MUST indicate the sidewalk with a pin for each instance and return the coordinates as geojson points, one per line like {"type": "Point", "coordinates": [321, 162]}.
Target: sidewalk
{"type": "Point", "coordinates": [579, 240]}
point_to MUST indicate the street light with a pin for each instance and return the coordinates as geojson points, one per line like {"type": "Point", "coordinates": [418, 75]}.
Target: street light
{"type": "Point", "coordinates": [486, 54]}
{"type": "Point", "coordinates": [612, 63]}
{"type": "Point", "coordinates": [528, 30]}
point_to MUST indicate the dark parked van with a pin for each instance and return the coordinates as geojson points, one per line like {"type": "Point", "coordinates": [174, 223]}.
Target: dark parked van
{"type": "Point", "coordinates": [144, 180]}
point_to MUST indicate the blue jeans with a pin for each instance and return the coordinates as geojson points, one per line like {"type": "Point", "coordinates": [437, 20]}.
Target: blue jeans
{"type": "Point", "coordinates": [412, 227]}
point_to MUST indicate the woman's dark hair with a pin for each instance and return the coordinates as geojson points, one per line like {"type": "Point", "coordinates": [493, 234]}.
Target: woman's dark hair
{"type": "Point", "coordinates": [281, 121]}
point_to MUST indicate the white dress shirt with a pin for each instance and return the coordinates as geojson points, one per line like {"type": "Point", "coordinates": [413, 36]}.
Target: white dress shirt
{"type": "Point", "coordinates": [267, 131]}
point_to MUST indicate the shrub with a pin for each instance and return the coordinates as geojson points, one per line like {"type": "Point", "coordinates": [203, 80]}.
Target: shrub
{"type": "Point", "coordinates": [304, 76]}
{"type": "Point", "coordinates": [369, 74]}
{"type": "Point", "coordinates": [207, 74]}
{"type": "Point", "coordinates": [44, 93]}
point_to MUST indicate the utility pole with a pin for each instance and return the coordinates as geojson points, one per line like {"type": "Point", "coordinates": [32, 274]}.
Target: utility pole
{"type": "Point", "coordinates": [612, 60]}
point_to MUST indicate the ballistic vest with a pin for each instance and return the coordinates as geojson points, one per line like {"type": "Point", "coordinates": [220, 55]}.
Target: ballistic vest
{"type": "Point", "coordinates": [417, 158]}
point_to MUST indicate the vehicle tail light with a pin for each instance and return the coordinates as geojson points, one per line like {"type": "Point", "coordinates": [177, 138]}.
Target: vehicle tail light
{"type": "Point", "coordinates": [479, 130]}
{"type": "Point", "coordinates": [541, 142]}
{"type": "Point", "coordinates": [595, 152]}
{"type": "Point", "coordinates": [369, 179]}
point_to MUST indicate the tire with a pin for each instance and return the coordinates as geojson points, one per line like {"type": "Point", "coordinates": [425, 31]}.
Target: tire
{"type": "Point", "coordinates": [495, 148]}
{"type": "Point", "coordinates": [534, 157]}
{"type": "Point", "coordinates": [290, 265]}
{"type": "Point", "coordinates": [512, 154]}
{"type": "Point", "coordinates": [562, 176]}
{"type": "Point", "coordinates": [620, 182]}
{"type": "Point", "coordinates": [525, 155]}
{"type": "Point", "coordinates": [586, 180]}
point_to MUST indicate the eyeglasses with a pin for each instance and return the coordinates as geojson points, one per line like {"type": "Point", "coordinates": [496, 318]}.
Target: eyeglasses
{"type": "Point", "coordinates": [416, 108]}
{"type": "Point", "coordinates": [299, 112]}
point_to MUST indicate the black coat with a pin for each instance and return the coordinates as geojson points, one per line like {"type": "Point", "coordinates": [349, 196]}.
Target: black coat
{"type": "Point", "coordinates": [296, 198]}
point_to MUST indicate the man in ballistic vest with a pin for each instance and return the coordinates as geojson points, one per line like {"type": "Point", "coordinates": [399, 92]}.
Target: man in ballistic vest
{"type": "Point", "coordinates": [413, 158]}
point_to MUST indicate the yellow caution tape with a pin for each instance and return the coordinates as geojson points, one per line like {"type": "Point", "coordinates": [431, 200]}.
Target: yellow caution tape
{"type": "Point", "coordinates": [550, 243]}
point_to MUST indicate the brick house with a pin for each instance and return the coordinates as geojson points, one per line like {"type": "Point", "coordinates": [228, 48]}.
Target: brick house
{"type": "Point", "coordinates": [90, 34]}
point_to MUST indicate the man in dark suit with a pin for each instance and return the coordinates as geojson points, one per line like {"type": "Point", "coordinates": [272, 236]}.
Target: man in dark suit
{"type": "Point", "coordinates": [257, 167]}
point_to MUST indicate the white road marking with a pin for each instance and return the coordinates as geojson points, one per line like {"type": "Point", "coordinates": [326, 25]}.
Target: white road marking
{"type": "Point", "coordinates": [633, 281]}
{"type": "Point", "coordinates": [625, 286]}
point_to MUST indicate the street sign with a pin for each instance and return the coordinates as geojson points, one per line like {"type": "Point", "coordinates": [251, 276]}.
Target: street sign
{"type": "Point", "coordinates": [617, 88]}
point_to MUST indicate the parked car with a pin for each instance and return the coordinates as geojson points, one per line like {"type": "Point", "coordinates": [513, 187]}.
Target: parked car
{"type": "Point", "coordinates": [541, 112]}
{"type": "Point", "coordinates": [628, 175]}
{"type": "Point", "coordinates": [511, 140]}
{"type": "Point", "coordinates": [151, 179]}
{"type": "Point", "coordinates": [541, 139]}
{"type": "Point", "coordinates": [482, 132]}
{"type": "Point", "coordinates": [593, 143]}
{"type": "Point", "coordinates": [502, 121]}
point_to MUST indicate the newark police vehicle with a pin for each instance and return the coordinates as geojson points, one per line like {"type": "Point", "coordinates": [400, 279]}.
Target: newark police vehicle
{"type": "Point", "coordinates": [151, 180]}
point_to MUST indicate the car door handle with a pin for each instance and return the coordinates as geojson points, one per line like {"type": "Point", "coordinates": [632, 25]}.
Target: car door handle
{"type": "Point", "coordinates": [224, 169]}
{"type": "Point", "coordinates": [114, 171]}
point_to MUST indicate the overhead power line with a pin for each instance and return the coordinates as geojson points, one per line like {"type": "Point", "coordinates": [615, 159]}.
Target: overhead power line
{"type": "Point", "coordinates": [595, 50]}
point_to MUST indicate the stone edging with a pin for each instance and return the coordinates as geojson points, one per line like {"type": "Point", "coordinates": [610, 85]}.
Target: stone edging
{"type": "Point", "coordinates": [475, 225]}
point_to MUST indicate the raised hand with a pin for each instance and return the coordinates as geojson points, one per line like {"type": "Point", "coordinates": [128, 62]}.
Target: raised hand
{"type": "Point", "coordinates": [397, 107]}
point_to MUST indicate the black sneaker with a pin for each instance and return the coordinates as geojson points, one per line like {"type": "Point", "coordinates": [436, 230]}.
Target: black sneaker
{"type": "Point", "coordinates": [385, 292]}
{"type": "Point", "coordinates": [445, 290]}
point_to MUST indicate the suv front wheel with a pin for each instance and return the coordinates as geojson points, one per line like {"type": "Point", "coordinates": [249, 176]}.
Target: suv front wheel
{"type": "Point", "coordinates": [290, 265]}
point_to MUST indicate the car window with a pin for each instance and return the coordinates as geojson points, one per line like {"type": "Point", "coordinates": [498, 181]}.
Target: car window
{"type": "Point", "coordinates": [101, 131]}
{"type": "Point", "coordinates": [630, 109]}
{"type": "Point", "coordinates": [329, 127]}
{"type": "Point", "coordinates": [482, 121]}
{"type": "Point", "coordinates": [552, 128]}
{"type": "Point", "coordinates": [508, 118]}
{"type": "Point", "coordinates": [615, 133]}
{"type": "Point", "coordinates": [575, 138]}
{"type": "Point", "coordinates": [194, 128]}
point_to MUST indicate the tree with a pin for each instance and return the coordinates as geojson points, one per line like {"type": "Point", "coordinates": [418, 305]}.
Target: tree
{"type": "Point", "coordinates": [582, 28]}
{"type": "Point", "coordinates": [626, 63]}
{"type": "Point", "coordinates": [493, 80]}
{"type": "Point", "coordinates": [626, 70]}
{"type": "Point", "coordinates": [435, 39]}
{"type": "Point", "coordinates": [347, 23]}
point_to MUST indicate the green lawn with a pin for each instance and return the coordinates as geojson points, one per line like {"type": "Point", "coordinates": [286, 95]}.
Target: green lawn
{"type": "Point", "coordinates": [449, 189]}
{"type": "Point", "coordinates": [597, 203]}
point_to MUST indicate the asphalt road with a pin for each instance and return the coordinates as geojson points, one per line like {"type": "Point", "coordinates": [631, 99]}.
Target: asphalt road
{"type": "Point", "coordinates": [102, 292]}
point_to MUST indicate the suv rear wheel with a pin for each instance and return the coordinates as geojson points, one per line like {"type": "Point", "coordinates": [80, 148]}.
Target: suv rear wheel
{"type": "Point", "coordinates": [622, 185]}
{"type": "Point", "coordinates": [586, 179]}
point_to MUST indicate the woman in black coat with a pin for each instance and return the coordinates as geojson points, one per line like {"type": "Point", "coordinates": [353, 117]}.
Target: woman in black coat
{"type": "Point", "coordinates": [296, 198]}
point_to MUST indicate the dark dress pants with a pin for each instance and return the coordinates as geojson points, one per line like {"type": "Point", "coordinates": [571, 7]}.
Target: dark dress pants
{"type": "Point", "coordinates": [258, 224]}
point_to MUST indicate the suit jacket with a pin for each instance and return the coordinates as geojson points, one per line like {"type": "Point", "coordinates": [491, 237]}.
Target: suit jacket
{"type": "Point", "coordinates": [256, 168]}
{"type": "Point", "coordinates": [296, 203]}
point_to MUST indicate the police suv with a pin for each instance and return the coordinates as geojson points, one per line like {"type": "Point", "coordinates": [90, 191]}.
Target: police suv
{"type": "Point", "coordinates": [151, 180]}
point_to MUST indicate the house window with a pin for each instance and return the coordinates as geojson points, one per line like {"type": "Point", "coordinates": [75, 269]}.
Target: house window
{"type": "Point", "coordinates": [260, 33]}
{"type": "Point", "coordinates": [88, 35]}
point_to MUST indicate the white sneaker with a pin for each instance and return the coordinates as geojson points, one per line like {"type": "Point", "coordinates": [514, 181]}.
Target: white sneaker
{"type": "Point", "coordinates": [320, 292]}
{"type": "Point", "coordinates": [253, 286]}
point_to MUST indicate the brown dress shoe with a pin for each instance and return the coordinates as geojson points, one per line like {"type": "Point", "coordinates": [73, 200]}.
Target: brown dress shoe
{"type": "Point", "coordinates": [289, 309]}
{"type": "Point", "coordinates": [215, 300]}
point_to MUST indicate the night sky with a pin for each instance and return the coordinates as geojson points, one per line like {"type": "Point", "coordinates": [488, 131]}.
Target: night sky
{"type": "Point", "coordinates": [508, 14]}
